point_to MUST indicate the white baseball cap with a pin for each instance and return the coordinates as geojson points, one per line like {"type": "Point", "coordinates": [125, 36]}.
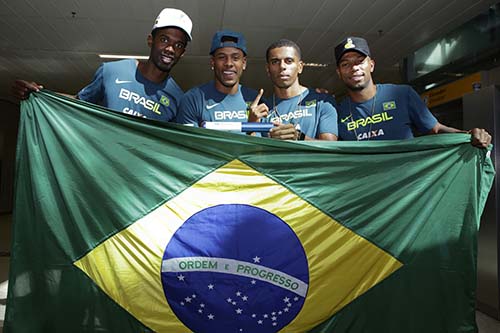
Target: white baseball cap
{"type": "Point", "coordinates": [171, 17]}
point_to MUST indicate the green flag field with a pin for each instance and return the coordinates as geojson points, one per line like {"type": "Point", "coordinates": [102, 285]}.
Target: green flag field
{"type": "Point", "coordinates": [124, 224]}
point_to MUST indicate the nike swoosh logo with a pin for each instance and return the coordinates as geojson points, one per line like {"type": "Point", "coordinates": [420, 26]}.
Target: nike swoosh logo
{"type": "Point", "coordinates": [212, 106]}
{"type": "Point", "coordinates": [120, 81]}
{"type": "Point", "coordinates": [345, 119]}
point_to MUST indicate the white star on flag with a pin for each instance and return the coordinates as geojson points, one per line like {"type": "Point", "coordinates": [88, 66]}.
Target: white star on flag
{"type": "Point", "coordinates": [188, 299]}
{"type": "Point", "coordinates": [273, 318]}
{"type": "Point", "coordinates": [202, 305]}
{"type": "Point", "coordinates": [252, 282]}
{"type": "Point", "coordinates": [210, 286]}
{"type": "Point", "coordinates": [211, 316]}
{"type": "Point", "coordinates": [259, 322]}
{"type": "Point", "coordinates": [265, 315]}
{"type": "Point", "coordinates": [256, 259]}
{"type": "Point", "coordinates": [244, 298]}
{"type": "Point", "coordinates": [238, 293]}
{"type": "Point", "coordinates": [274, 324]}
{"type": "Point", "coordinates": [239, 311]}
{"type": "Point", "coordinates": [229, 300]}
{"type": "Point", "coordinates": [286, 299]}
{"type": "Point", "coordinates": [295, 298]}
{"type": "Point", "coordinates": [181, 277]}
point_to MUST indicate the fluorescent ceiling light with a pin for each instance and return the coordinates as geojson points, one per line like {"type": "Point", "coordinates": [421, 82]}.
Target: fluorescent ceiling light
{"type": "Point", "coordinates": [429, 86]}
{"type": "Point", "coordinates": [313, 64]}
{"type": "Point", "coordinates": [122, 56]}
{"type": "Point", "coordinates": [131, 56]}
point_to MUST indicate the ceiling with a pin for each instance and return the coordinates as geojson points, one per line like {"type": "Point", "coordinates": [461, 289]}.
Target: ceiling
{"type": "Point", "coordinates": [56, 42]}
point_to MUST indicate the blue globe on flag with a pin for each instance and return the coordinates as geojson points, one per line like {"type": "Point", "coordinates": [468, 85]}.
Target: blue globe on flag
{"type": "Point", "coordinates": [235, 268]}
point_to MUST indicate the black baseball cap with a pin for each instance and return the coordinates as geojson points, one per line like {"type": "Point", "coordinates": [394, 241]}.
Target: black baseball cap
{"type": "Point", "coordinates": [349, 44]}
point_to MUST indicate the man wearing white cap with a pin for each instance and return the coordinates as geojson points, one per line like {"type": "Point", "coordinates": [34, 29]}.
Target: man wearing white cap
{"type": "Point", "coordinates": [142, 89]}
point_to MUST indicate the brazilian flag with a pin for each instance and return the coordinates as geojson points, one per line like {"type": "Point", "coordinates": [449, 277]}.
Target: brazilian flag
{"type": "Point", "coordinates": [128, 225]}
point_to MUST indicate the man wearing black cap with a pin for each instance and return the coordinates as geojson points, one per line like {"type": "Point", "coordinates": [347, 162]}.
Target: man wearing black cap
{"type": "Point", "coordinates": [141, 89]}
{"type": "Point", "coordinates": [224, 99]}
{"type": "Point", "coordinates": [382, 111]}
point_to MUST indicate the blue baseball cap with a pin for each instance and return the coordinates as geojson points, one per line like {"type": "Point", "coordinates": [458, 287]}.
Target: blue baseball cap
{"type": "Point", "coordinates": [227, 38]}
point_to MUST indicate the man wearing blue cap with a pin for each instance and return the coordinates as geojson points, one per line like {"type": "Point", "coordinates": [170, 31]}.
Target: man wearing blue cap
{"type": "Point", "coordinates": [141, 89]}
{"type": "Point", "coordinates": [223, 99]}
{"type": "Point", "coordinates": [382, 111]}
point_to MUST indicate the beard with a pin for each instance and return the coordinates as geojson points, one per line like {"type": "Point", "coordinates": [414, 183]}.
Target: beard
{"type": "Point", "coordinates": [163, 66]}
{"type": "Point", "coordinates": [355, 88]}
{"type": "Point", "coordinates": [359, 86]}
{"type": "Point", "coordinates": [219, 77]}
{"type": "Point", "coordinates": [282, 85]}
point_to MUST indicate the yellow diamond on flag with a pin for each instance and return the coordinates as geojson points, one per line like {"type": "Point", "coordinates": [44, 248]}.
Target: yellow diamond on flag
{"type": "Point", "coordinates": [236, 251]}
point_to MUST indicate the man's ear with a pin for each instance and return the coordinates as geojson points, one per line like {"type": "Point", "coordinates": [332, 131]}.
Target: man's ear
{"type": "Point", "coordinates": [372, 65]}
{"type": "Point", "coordinates": [150, 40]}
{"type": "Point", "coordinates": [300, 66]}
{"type": "Point", "coordinates": [244, 63]}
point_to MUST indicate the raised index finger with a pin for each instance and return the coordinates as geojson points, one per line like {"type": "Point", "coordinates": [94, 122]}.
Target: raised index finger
{"type": "Point", "coordinates": [257, 99]}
